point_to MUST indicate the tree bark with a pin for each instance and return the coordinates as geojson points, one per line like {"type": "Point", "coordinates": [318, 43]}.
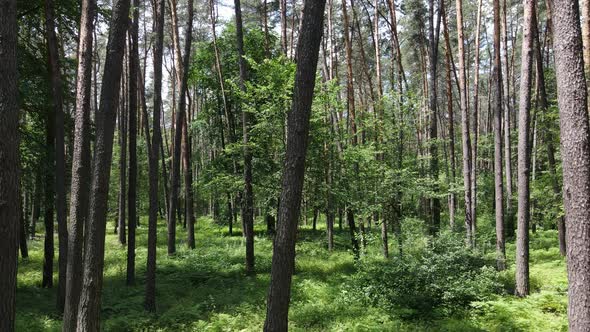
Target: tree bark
{"type": "Point", "coordinates": [80, 189]}
{"type": "Point", "coordinates": [150, 287]}
{"type": "Point", "coordinates": [498, 174]}
{"type": "Point", "coordinates": [575, 152]}
{"type": "Point", "coordinates": [466, 138]}
{"type": "Point", "coordinates": [133, 112]}
{"type": "Point", "coordinates": [433, 34]}
{"type": "Point", "coordinates": [524, 152]}
{"type": "Point", "coordinates": [90, 298]}
{"type": "Point", "coordinates": [9, 164]}
{"type": "Point", "coordinates": [283, 261]}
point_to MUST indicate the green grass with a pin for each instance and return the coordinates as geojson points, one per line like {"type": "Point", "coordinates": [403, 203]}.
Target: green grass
{"type": "Point", "coordinates": [206, 289]}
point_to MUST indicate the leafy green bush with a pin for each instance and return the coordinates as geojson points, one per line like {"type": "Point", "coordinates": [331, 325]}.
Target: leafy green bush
{"type": "Point", "coordinates": [441, 280]}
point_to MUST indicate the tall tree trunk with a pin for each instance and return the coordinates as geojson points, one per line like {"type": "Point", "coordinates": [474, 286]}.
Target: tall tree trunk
{"type": "Point", "coordinates": [90, 298]}
{"type": "Point", "coordinates": [498, 176]}
{"type": "Point", "coordinates": [475, 123]}
{"type": "Point", "coordinates": [507, 128]}
{"type": "Point", "coordinates": [133, 112]}
{"type": "Point", "coordinates": [59, 151]}
{"type": "Point", "coordinates": [449, 92]}
{"type": "Point", "coordinates": [80, 189]}
{"type": "Point", "coordinates": [283, 260]}
{"type": "Point", "coordinates": [247, 197]}
{"type": "Point", "coordinates": [575, 152]}
{"type": "Point", "coordinates": [150, 287]}
{"type": "Point", "coordinates": [433, 34]}
{"type": "Point", "coordinates": [9, 164]}
{"type": "Point", "coordinates": [524, 152]}
{"type": "Point", "coordinates": [466, 139]}
{"type": "Point", "coordinates": [122, 234]}
{"type": "Point", "coordinates": [188, 172]}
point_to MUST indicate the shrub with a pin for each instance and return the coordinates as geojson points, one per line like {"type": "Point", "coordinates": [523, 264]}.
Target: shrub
{"type": "Point", "coordinates": [441, 280]}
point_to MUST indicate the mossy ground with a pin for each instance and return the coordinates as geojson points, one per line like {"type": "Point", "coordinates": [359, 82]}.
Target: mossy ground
{"type": "Point", "coordinates": [206, 289]}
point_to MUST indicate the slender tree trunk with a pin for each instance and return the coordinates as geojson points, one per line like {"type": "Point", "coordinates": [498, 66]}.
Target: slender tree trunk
{"type": "Point", "coordinates": [507, 143]}
{"type": "Point", "coordinates": [80, 189]}
{"type": "Point", "coordinates": [150, 287]}
{"type": "Point", "coordinates": [449, 92]}
{"type": "Point", "coordinates": [133, 112]}
{"type": "Point", "coordinates": [475, 123]}
{"type": "Point", "coordinates": [498, 176]}
{"type": "Point", "coordinates": [22, 233]}
{"type": "Point", "coordinates": [466, 139]}
{"type": "Point", "coordinates": [59, 150]}
{"type": "Point", "coordinates": [524, 152]}
{"type": "Point", "coordinates": [122, 234]}
{"type": "Point", "coordinates": [9, 164]}
{"type": "Point", "coordinates": [247, 197]}
{"type": "Point", "coordinates": [90, 298]}
{"type": "Point", "coordinates": [433, 34]}
{"type": "Point", "coordinates": [575, 152]}
{"type": "Point", "coordinates": [283, 261]}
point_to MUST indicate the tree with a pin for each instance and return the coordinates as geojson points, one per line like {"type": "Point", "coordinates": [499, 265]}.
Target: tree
{"type": "Point", "coordinates": [150, 285]}
{"type": "Point", "coordinates": [247, 195]}
{"type": "Point", "coordinates": [283, 259]}
{"type": "Point", "coordinates": [575, 152]}
{"type": "Point", "coordinates": [524, 152]}
{"type": "Point", "coordinates": [498, 176]}
{"type": "Point", "coordinates": [466, 137]}
{"type": "Point", "coordinates": [57, 131]}
{"type": "Point", "coordinates": [133, 112]}
{"type": "Point", "coordinates": [80, 188]}
{"type": "Point", "coordinates": [433, 34]}
{"type": "Point", "coordinates": [89, 308]}
{"type": "Point", "coordinates": [9, 164]}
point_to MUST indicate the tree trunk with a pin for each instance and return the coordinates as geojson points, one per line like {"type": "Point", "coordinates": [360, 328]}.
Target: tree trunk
{"type": "Point", "coordinates": [59, 150]}
{"type": "Point", "coordinates": [9, 164]}
{"type": "Point", "coordinates": [283, 260]}
{"type": "Point", "coordinates": [180, 123]}
{"type": "Point", "coordinates": [150, 287]}
{"type": "Point", "coordinates": [133, 112]}
{"type": "Point", "coordinates": [122, 234]}
{"type": "Point", "coordinates": [466, 139]}
{"type": "Point", "coordinates": [575, 152]}
{"type": "Point", "coordinates": [433, 34]}
{"type": "Point", "coordinates": [90, 298]}
{"type": "Point", "coordinates": [524, 152]}
{"type": "Point", "coordinates": [507, 143]}
{"type": "Point", "coordinates": [475, 124]}
{"type": "Point", "coordinates": [498, 176]}
{"type": "Point", "coordinates": [80, 189]}
{"type": "Point", "coordinates": [247, 197]}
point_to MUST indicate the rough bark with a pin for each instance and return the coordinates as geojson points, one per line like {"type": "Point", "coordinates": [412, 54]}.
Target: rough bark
{"type": "Point", "coordinates": [498, 174]}
{"type": "Point", "coordinates": [524, 153]}
{"type": "Point", "coordinates": [9, 164]}
{"type": "Point", "coordinates": [90, 298]}
{"type": "Point", "coordinates": [475, 123]}
{"type": "Point", "coordinates": [575, 152]}
{"type": "Point", "coordinates": [466, 138]}
{"type": "Point", "coordinates": [133, 112]}
{"type": "Point", "coordinates": [80, 188]}
{"type": "Point", "coordinates": [150, 286]}
{"type": "Point", "coordinates": [283, 261]}
{"type": "Point", "coordinates": [433, 34]}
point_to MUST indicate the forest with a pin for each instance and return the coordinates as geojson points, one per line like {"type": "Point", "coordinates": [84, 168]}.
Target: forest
{"type": "Point", "coordinates": [303, 165]}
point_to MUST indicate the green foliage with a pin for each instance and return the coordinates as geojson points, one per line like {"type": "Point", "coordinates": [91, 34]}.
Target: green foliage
{"type": "Point", "coordinates": [441, 280]}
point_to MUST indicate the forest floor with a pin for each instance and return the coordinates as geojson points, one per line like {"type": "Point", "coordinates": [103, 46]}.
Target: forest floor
{"type": "Point", "coordinates": [206, 289]}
